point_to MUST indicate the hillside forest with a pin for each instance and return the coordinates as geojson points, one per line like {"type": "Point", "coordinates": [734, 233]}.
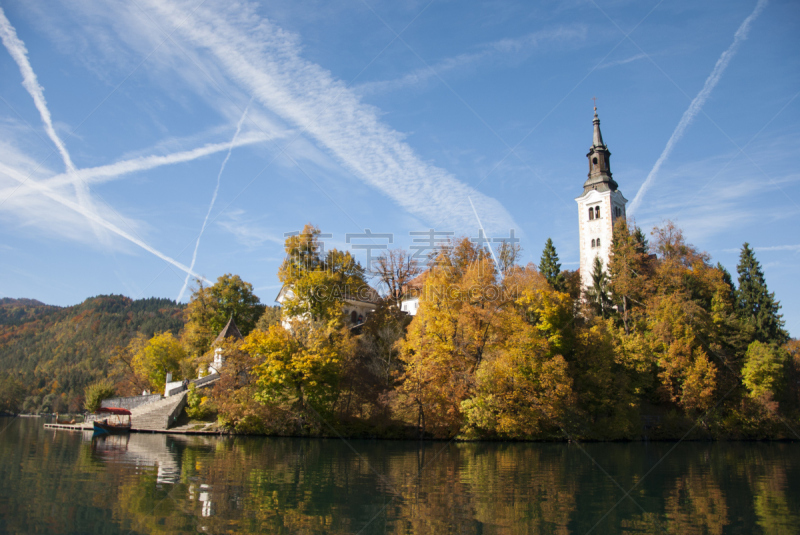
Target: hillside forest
{"type": "Point", "coordinates": [663, 344]}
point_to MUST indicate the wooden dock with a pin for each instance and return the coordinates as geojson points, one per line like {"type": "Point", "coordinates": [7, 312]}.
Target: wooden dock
{"type": "Point", "coordinates": [86, 426]}
{"type": "Point", "coordinates": [183, 430]}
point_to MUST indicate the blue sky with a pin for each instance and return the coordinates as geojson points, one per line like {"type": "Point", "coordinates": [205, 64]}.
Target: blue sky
{"type": "Point", "coordinates": [144, 140]}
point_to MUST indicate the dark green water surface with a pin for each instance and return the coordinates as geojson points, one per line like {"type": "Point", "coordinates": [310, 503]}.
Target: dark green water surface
{"type": "Point", "coordinates": [66, 482]}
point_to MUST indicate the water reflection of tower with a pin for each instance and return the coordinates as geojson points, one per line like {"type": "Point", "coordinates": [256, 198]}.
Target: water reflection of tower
{"type": "Point", "coordinates": [141, 450]}
{"type": "Point", "coordinates": [205, 498]}
{"type": "Point", "coordinates": [207, 507]}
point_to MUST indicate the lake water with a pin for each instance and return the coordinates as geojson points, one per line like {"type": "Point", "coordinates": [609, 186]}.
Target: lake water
{"type": "Point", "coordinates": [66, 482]}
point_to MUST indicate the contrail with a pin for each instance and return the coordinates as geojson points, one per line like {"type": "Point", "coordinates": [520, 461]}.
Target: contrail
{"type": "Point", "coordinates": [699, 101]}
{"type": "Point", "coordinates": [19, 53]}
{"type": "Point", "coordinates": [267, 62]}
{"type": "Point", "coordinates": [104, 173]}
{"type": "Point", "coordinates": [213, 200]}
{"type": "Point", "coordinates": [483, 231]}
{"type": "Point", "coordinates": [94, 218]}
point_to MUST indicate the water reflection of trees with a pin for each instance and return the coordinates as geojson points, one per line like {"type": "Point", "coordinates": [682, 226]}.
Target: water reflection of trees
{"type": "Point", "coordinates": [162, 484]}
{"type": "Point", "coordinates": [321, 486]}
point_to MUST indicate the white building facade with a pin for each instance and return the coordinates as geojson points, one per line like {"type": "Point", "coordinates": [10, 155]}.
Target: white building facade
{"type": "Point", "coordinates": [599, 207]}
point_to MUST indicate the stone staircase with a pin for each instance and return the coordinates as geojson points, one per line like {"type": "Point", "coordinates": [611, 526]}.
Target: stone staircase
{"type": "Point", "coordinates": [158, 416]}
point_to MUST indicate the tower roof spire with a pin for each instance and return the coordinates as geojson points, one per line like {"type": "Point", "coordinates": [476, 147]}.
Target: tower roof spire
{"type": "Point", "coordinates": [599, 162]}
{"type": "Point", "coordinates": [597, 138]}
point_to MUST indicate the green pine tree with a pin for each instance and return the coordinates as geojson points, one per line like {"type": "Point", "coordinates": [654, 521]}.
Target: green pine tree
{"type": "Point", "coordinates": [728, 280]}
{"type": "Point", "coordinates": [599, 293]}
{"type": "Point", "coordinates": [757, 306]}
{"type": "Point", "coordinates": [642, 246]}
{"type": "Point", "coordinates": [550, 268]}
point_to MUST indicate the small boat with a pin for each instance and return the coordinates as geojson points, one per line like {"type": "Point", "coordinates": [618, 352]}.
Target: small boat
{"type": "Point", "coordinates": [116, 422]}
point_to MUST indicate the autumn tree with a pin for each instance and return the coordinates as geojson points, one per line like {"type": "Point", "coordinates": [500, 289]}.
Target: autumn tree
{"type": "Point", "coordinates": [12, 394]}
{"type": "Point", "coordinates": [681, 323]}
{"type": "Point", "coordinates": [628, 269]}
{"type": "Point", "coordinates": [756, 304]}
{"type": "Point", "coordinates": [270, 317]}
{"type": "Point", "coordinates": [162, 354]}
{"type": "Point", "coordinates": [538, 304]}
{"type": "Point", "coordinates": [379, 339]}
{"type": "Point", "coordinates": [395, 268]}
{"type": "Point", "coordinates": [96, 392]}
{"type": "Point", "coordinates": [302, 367]}
{"type": "Point", "coordinates": [521, 392]}
{"type": "Point", "coordinates": [232, 395]}
{"type": "Point", "coordinates": [508, 255]}
{"type": "Point", "coordinates": [522, 386]}
{"type": "Point", "coordinates": [607, 388]}
{"type": "Point", "coordinates": [572, 284]}
{"type": "Point", "coordinates": [317, 283]}
{"type": "Point", "coordinates": [550, 267]}
{"type": "Point", "coordinates": [212, 306]}
{"type": "Point", "coordinates": [763, 371]}
{"type": "Point", "coordinates": [792, 348]}
{"type": "Point", "coordinates": [449, 335]}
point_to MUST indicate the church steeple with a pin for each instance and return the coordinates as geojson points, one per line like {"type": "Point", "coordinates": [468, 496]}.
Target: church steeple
{"type": "Point", "coordinates": [597, 139]}
{"type": "Point", "coordinates": [600, 206]}
{"type": "Point", "coordinates": [599, 162]}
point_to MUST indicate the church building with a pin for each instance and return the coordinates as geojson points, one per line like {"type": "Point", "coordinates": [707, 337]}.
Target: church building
{"type": "Point", "coordinates": [599, 207]}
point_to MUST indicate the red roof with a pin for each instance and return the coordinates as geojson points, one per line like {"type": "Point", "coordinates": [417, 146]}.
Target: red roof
{"type": "Point", "coordinates": [114, 410]}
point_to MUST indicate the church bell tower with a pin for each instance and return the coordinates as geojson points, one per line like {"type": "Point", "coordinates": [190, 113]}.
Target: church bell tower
{"type": "Point", "coordinates": [600, 205]}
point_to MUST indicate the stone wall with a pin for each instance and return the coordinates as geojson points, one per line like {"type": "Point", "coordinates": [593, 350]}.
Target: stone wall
{"type": "Point", "coordinates": [131, 402]}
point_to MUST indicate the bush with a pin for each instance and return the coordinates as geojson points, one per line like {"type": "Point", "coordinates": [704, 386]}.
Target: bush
{"type": "Point", "coordinates": [197, 405]}
{"type": "Point", "coordinates": [96, 392]}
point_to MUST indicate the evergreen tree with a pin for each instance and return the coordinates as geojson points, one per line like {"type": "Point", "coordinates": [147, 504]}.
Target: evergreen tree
{"type": "Point", "coordinates": [550, 268]}
{"type": "Point", "coordinates": [756, 304]}
{"type": "Point", "coordinates": [598, 294]}
{"type": "Point", "coordinates": [728, 280]}
{"type": "Point", "coordinates": [642, 246]}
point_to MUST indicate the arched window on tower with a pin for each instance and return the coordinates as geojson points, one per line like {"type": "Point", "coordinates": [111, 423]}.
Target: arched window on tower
{"type": "Point", "coordinates": [598, 242]}
{"type": "Point", "coordinates": [592, 242]}
{"type": "Point", "coordinates": [591, 213]}
{"type": "Point", "coordinates": [597, 212]}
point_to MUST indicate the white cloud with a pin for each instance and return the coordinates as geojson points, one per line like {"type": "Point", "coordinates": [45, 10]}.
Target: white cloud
{"type": "Point", "coordinates": [265, 61]}
{"type": "Point", "coordinates": [246, 232]}
{"type": "Point", "coordinates": [485, 53]}
{"type": "Point", "coordinates": [770, 248]}
{"type": "Point", "coordinates": [625, 61]}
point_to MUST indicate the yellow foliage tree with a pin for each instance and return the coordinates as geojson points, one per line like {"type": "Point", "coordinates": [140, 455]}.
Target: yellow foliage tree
{"type": "Point", "coordinates": [318, 282]}
{"type": "Point", "coordinates": [455, 325]}
{"type": "Point", "coordinates": [162, 354]}
{"type": "Point", "coordinates": [522, 391]}
{"type": "Point", "coordinates": [300, 367]}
